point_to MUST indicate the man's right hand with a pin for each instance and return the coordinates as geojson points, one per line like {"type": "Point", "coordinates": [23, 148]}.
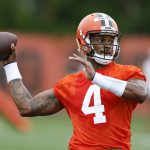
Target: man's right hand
{"type": "Point", "coordinates": [11, 58]}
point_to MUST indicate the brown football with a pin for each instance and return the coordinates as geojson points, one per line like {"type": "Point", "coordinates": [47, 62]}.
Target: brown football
{"type": "Point", "coordinates": [6, 38]}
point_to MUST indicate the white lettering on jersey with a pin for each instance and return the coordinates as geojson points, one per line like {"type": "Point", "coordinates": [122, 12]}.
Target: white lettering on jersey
{"type": "Point", "coordinates": [98, 108]}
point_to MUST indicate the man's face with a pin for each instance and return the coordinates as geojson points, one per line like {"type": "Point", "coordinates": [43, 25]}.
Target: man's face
{"type": "Point", "coordinates": [102, 43]}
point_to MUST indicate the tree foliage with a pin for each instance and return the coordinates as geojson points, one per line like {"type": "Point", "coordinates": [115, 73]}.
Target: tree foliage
{"type": "Point", "coordinates": [60, 16]}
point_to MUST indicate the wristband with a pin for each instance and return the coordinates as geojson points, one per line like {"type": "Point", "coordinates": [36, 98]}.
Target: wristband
{"type": "Point", "coordinates": [113, 85]}
{"type": "Point", "coordinates": [12, 72]}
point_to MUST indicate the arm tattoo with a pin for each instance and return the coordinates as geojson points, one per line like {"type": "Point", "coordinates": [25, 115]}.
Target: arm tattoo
{"type": "Point", "coordinates": [44, 103]}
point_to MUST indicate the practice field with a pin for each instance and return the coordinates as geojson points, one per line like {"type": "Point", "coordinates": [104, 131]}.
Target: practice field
{"type": "Point", "coordinates": [53, 133]}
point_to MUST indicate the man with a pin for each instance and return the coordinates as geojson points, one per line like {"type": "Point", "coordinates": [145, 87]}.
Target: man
{"type": "Point", "coordinates": [99, 100]}
{"type": "Point", "coordinates": [146, 70]}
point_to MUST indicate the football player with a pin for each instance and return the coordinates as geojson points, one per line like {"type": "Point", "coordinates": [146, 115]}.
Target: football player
{"type": "Point", "coordinates": [99, 100]}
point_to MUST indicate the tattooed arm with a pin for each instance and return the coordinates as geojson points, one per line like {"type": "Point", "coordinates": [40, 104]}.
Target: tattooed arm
{"type": "Point", "coordinates": [42, 104]}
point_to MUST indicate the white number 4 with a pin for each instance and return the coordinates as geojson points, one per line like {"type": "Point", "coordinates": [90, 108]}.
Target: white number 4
{"type": "Point", "coordinates": [98, 108]}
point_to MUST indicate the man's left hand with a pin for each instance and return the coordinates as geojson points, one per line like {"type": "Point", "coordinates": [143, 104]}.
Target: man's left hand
{"type": "Point", "coordinates": [88, 68]}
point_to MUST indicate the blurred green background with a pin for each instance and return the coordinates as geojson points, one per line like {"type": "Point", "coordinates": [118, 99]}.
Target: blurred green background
{"type": "Point", "coordinates": [54, 132]}
{"type": "Point", "coordinates": [62, 17]}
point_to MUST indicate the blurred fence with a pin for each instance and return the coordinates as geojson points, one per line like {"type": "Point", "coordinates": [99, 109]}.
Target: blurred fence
{"type": "Point", "coordinates": [43, 59]}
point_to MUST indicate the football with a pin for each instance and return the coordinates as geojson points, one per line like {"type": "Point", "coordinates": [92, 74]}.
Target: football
{"type": "Point", "coordinates": [6, 39]}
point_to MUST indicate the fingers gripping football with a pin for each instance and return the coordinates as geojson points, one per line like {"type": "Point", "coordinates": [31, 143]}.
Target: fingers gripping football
{"type": "Point", "coordinates": [88, 68]}
{"type": "Point", "coordinates": [12, 56]}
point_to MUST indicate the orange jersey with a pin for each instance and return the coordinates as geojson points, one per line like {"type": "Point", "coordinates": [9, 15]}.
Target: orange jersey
{"type": "Point", "coordinates": [100, 119]}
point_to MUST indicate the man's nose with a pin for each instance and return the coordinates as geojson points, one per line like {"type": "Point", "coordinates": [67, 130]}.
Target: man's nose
{"type": "Point", "coordinates": [107, 42]}
{"type": "Point", "coordinates": [106, 48]}
{"type": "Point", "coordinates": [107, 45]}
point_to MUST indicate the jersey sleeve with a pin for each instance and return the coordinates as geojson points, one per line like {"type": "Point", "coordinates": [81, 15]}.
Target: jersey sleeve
{"type": "Point", "coordinates": [63, 89]}
{"type": "Point", "coordinates": [135, 72]}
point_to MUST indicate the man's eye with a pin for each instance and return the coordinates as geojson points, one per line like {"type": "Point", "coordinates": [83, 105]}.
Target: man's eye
{"type": "Point", "coordinates": [111, 41]}
{"type": "Point", "coordinates": [100, 40]}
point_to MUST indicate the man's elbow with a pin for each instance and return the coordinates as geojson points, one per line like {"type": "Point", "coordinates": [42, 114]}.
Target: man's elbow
{"type": "Point", "coordinates": [142, 96]}
{"type": "Point", "coordinates": [22, 114]}
{"type": "Point", "coordinates": [25, 112]}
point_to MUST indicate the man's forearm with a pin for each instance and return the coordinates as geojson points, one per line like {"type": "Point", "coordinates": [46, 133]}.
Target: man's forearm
{"type": "Point", "coordinates": [21, 96]}
{"type": "Point", "coordinates": [136, 89]}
